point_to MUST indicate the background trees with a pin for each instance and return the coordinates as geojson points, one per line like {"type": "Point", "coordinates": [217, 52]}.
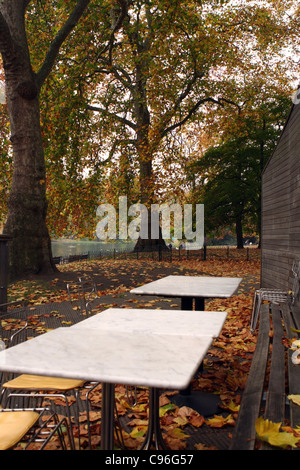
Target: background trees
{"type": "Point", "coordinates": [229, 173]}
{"type": "Point", "coordinates": [115, 110]}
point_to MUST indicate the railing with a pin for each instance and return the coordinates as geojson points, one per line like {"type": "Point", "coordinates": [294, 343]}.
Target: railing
{"type": "Point", "coordinates": [169, 254]}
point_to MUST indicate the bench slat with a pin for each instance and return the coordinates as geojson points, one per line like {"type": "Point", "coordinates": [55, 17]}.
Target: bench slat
{"type": "Point", "coordinates": [293, 369]}
{"type": "Point", "coordinates": [288, 320]}
{"type": "Point", "coordinates": [275, 404]}
{"type": "Point", "coordinates": [244, 434]}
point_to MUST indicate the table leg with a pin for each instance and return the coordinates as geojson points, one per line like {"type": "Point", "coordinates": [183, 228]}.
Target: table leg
{"type": "Point", "coordinates": [153, 432]}
{"type": "Point", "coordinates": [187, 303]}
{"type": "Point", "coordinates": [205, 404]}
{"type": "Point", "coordinates": [200, 303]}
{"type": "Point", "coordinates": [107, 417]}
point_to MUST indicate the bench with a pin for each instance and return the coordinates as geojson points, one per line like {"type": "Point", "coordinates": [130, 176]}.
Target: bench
{"type": "Point", "coordinates": [272, 377]}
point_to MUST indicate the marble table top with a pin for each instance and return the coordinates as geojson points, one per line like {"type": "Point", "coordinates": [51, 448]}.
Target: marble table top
{"type": "Point", "coordinates": [155, 321]}
{"type": "Point", "coordinates": [191, 286]}
{"type": "Point", "coordinates": [154, 360]}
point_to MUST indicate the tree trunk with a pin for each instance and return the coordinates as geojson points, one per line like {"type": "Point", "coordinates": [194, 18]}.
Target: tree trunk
{"type": "Point", "coordinates": [142, 116]}
{"type": "Point", "coordinates": [239, 233]}
{"type": "Point", "coordinates": [30, 248]}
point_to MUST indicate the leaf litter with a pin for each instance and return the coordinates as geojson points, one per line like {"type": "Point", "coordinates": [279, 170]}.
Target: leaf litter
{"type": "Point", "coordinates": [225, 366]}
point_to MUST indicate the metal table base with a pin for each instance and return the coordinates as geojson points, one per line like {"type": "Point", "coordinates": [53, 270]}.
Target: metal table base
{"type": "Point", "coordinates": [154, 434]}
{"type": "Point", "coordinates": [205, 404]}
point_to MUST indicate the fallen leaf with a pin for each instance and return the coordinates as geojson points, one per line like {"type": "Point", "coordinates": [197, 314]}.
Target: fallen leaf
{"type": "Point", "coordinates": [295, 399]}
{"type": "Point", "coordinates": [269, 432]}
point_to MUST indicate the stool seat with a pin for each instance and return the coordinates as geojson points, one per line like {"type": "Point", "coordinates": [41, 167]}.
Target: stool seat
{"type": "Point", "coordinates": [14, 425]}
{"type": "Point", "coordinates": [42, 382]}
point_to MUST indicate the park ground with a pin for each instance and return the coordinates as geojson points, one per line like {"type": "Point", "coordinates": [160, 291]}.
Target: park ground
{"type": "Point", "coordinates": [226, 364]}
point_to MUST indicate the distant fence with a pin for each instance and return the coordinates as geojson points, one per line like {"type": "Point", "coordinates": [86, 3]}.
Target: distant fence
{"type": "Point", "coordinates": [170, 254]}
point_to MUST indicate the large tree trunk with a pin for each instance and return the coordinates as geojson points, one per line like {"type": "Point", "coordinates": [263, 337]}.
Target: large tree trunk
{"type": "Point", "coordinates": [147, 198]}
{"type": "Point", "coordinates": [142, 116]}
{"type": "Point", "coordinates": [30, 248]}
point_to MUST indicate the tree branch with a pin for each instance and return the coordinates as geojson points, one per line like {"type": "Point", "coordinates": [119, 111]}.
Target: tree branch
{"type": "Point", "coordinates": [191, 112]}
{"type": "Point", "coordinates": [120, 118]}
{"type": "Point", "coordinates": [117, 25]}
{"type": "Point", "coordinates": [62, 34]}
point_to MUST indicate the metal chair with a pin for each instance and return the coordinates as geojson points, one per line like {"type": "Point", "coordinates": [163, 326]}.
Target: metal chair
{"type": "Point", "coordinates": [13, 323]}
{"type": "Point", "coordinates": [84, 291]}
{"type": "Point", "coordinates": [26, 387]}
{"type": "Point", "coordinates": [275, 295]}
{"type": "Point", "coordinates": [32, 426]}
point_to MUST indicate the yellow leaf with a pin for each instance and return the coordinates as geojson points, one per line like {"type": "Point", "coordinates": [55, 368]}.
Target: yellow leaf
{"type": "Point", "coordinates": [233, 407]}
{"type": "Point", "coordinates": [295, 399]}
{"type": "Point", "coordinates": [177, 433]}
{"type": "Point", "coordinates": [138, 432]}
{"type": "Point", "coordinates": [164, 409]}
{"type": "Point", "coordinates": [294, 330]}
{"type": "Point", "coordinates": [181, 421]}
{"type": "Point", "coordinates": [269, 432]}
{"type": "Point", "coordinates": [220, 421]}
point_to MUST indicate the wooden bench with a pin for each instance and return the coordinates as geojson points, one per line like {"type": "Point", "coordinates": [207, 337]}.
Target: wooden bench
{"type": "Point", "coordinates": [272, 377]}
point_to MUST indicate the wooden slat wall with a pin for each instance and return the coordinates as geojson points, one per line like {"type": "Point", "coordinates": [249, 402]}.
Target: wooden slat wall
{"type": "Point", "coordinates": [281, 207]}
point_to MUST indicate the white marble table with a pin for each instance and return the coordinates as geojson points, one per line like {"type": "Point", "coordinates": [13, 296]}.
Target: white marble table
{"type": "Point", "coordinates": [193, 291]}
{"type": "Point", "coordinates": [154, 360]}
{"type": "Point", "coordinates": [190, 288]}
{"type": "Point", "coordinates": [154, 321]}
{"type": "Point", "coordinates": [170, 322]}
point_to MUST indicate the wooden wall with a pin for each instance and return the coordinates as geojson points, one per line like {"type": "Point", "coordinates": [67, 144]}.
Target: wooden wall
{"type": "Point", "coordinates": [281, 207]}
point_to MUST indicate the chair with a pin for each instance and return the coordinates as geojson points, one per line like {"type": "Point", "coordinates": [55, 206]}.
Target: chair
{"type": "Point", "coordinates": [85, 291]}
{"type": "Point", "coordinates": [275, 295]}
{"type": "Point", "coordinates": [13, 323]}
{"type": "Point", "coordinates": [117, 425]}
{"type": "Point", "coordinates": [32, 426]}
{"type": "Point", "coordinates": [27, 386]}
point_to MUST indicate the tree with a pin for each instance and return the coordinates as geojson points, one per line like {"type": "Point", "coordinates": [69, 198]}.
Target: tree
{"type": "Point", "coordinates": [30, 249]}
{"type": "Point", "coordinates": [229, 173]}
{"type": "Point", "coordinates": [148, 78]}
{"type": "Point", "coordinates": [170, 62]}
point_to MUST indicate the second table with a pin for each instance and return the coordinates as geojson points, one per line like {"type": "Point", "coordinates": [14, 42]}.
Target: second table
{"type": "Point", "coordinates": [191, 289]}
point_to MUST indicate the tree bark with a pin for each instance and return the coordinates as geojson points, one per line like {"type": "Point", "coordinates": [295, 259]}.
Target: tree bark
{"type": "Point", "coordinates": [239, 233]}
{"type": "Point", "coordinates": [143, 147]}
{"type": "Point", "coordinates": [30, 248]}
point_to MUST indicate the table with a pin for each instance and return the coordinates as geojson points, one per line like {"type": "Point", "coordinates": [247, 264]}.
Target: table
{"type": "Point", "coordinates": [191, 288]}
{"type": "Point", "coordinates": [94, 355]}
{"type": "Point", "coordinates": [153, 321]}
{"type": "Point", "coordinates": [170, 322]}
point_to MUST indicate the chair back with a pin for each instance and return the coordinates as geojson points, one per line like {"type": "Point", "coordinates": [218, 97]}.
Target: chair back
{"type": "Point", "coordinates": [13, 323]}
